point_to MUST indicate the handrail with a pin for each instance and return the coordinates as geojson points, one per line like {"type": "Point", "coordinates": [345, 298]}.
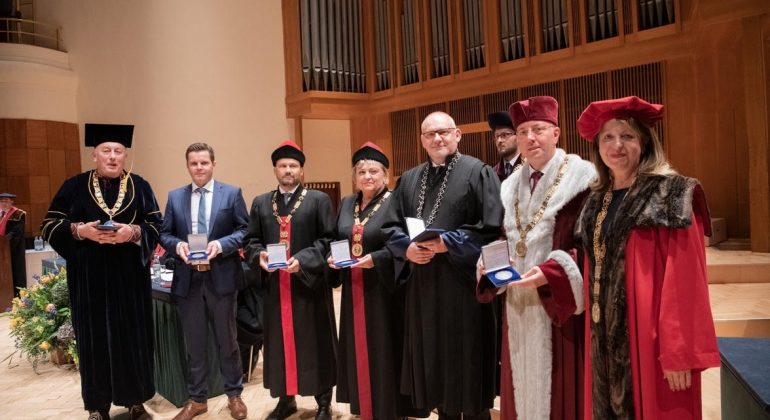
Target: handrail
{"type": "Point", "coordinates": [18, 31]}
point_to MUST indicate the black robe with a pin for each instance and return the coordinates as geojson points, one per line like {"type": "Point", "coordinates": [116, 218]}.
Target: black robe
{"type": "Point", "coordinates": [449, 348]}
{"type": "Point", "coordinates": [14, 231]}
{"type": "Point", "coordinates": [383, 319]}
{"type": "Point", "coordinates": [110, 290]}
{"type": "Point", "coordinates": [312, 226]}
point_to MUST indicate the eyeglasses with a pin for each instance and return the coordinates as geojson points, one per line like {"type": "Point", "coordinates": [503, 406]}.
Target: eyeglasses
{"type": "Point", "coordinates": [504, 135]}
{"type": "Point", "coordinates": [536, 130]}
{"type": "Point", "coordinates": [443, 132]}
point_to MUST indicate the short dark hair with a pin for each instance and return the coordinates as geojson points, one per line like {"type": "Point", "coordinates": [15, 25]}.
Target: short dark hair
{"type": "Point", "coordinates": [199, 147]}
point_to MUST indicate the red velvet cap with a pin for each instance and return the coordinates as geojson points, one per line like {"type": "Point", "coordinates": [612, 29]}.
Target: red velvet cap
{"type": "Point", "coordinates": [597, 113]}
{"type": "Point", "coordinates": [288, 149]}
{"type": "Point", "coordinates": [370, 151]}
{"type": "Point", "coordinates": [536, 108]}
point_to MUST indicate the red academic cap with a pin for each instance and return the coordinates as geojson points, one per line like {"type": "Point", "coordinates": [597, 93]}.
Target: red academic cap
{"type": "Point", "coordinates": [536, 108]}
{"type": "Point", "coordinates": [597, 113]}
{"type": "Point", "coordinates": [372, 152]}
{"type": "Point", "coordinates": [288, 149]}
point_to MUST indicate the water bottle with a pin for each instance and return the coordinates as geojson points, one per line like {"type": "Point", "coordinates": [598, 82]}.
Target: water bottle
{"type": "Point", "coordinates": [38, 243]}
{"type": "Point", "coordinates": [156, 266]}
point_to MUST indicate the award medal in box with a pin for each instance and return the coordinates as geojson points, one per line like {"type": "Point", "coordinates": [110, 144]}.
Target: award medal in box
{"type": "Point", "coordinates": [284, 229]}
{"type": "Point", "coordinates": [497, 263]}
{"type": "Point", "coordinates": [198, 256]}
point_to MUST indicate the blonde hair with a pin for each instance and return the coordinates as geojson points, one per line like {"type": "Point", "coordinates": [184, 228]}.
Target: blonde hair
{"type": "Point", "coordinates": [363, 162]}
{"type": "Point", "coordinates": [652, 160]}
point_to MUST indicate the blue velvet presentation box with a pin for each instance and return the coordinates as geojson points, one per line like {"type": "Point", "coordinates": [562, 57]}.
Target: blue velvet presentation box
{"type": "Point", "coordinates": [497, 263]}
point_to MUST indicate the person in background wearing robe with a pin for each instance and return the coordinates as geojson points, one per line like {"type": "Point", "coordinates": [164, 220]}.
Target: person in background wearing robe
{"type": "Point", "coordinates": [12, 222]}
{"type": "Point", "coordinates": [542, 366]}
{"type": "Point", "coordinates": [372, 308]}
{"type": "Point", "coordinates": [650, 332]}
{"type": "Point", "coordinates": [300, 331]}
{"type": "Point", "coordinates": [105, 222]}
{"type": "Point", "coordinates": [449, 338]}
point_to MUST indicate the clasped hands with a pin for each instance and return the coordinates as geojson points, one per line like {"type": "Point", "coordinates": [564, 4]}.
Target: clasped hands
{"type": "Point", "coordinates": [119, 236]}
{"type": "Point", "coordinates": [423, 252]}
{"type": "Point", "coordinates": [212, 250]}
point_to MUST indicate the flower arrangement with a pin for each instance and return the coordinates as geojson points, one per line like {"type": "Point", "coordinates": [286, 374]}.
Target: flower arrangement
{"type": "Point", "coordinates": [41, 321]}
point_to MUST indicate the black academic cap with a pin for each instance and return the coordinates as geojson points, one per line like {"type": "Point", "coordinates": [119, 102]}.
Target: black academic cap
{"type": "Point", "coordinates": [97, 134]}
{"type": "Point", "coordinates": [499, 120]}
{"type": "Point", "coordinates": [7, 195]}
{"type": "Point", "coordinates": [370, 151]}
{"type": "Point", "coordinates": [288, 149]}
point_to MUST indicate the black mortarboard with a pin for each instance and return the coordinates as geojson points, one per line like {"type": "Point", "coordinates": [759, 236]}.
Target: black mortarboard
{"type": "Point", "coordinates": [7, 195]}
{"type": "Point", "coordinates": [97, 134]}
{"type": "Point", "coordinates": [372, 152]}
{"type": "Point", "coordinates": [288, 149]}
{"type": "Point", "coordinates": [499, 120]}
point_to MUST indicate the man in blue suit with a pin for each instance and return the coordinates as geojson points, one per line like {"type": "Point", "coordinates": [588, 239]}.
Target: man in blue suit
{"type": "Point", "coordinates": [207, 290]}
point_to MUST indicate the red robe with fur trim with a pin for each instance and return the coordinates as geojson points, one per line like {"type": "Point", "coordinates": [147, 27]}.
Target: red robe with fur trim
{"type": "Point", "coordinates": [670, 326]}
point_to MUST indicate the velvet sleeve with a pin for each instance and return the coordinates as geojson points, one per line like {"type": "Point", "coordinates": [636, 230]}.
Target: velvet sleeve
{"type": "Point", "coordinates": [394, 232]}
{"type": "Point", "coordinates": [151, 221]}
{"type": "Point", "coordinates": [56, 224]}
{"type": "Point", "coordinates": [685, 324]}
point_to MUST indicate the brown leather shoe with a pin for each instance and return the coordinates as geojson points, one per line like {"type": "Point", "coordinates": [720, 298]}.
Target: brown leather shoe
{"type": "Point", "coordinates": [237, 407]}
{"type": "Point", "coordinates": [191, 409]}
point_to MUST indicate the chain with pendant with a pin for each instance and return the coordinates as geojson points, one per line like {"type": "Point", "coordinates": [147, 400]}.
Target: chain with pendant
{"type": "Point", "coordinates": [357, 248]}
{"type": "Point", "coordinates": [441, 190]}
{"type": "Point", "coordinates": [99, 197]}
{"type": "Point", "coordinates": [600, 250]}
{"type": "Point", "coordinates": [521, 244]}
{"type": "Point", "coordinates": [284, 234]}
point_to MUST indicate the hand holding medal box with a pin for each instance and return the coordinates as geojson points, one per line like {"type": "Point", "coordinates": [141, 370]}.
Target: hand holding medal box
{"type": "Point", "coordinates": [418, 232]}
{"type": "Point", "coordinates": [497, 263]}
{"type": "Point", "coordinates": [276, 256]}
{"type": "Point", "coordinates": [341, 254]}
{"type": "Point", "coordinates": [198, 243]}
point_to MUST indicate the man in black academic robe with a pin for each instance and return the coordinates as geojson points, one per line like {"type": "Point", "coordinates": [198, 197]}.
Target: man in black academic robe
{"type": "Point", "coordinates": [504, 137]}
{"type": "Point", "coordinates": [449, 343]}
{"type": "Point", "coordinates": [12, 222]}
{"type": "Point", "coordinates": [105, 222]}
{"type": "Point", "coordinates": [300, 331]}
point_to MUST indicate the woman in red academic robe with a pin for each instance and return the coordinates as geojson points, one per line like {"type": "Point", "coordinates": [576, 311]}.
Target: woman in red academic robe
{"type": "Point", "coordinates": [649, 330]}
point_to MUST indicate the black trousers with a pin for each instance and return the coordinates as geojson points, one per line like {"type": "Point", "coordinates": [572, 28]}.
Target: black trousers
{"type": "Point", "coordinates": [201, 305]}
{"type": "Point", "coordinates": [324, 399]}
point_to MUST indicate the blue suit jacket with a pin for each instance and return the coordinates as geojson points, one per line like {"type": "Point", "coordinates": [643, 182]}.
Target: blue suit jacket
{"type": "Point", "coordinates": [228, 223]}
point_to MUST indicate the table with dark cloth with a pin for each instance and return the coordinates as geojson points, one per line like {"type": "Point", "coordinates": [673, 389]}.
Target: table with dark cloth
{"type": "Point", "coordinates": [170, 357]}
{"type": "Point", "coordinates": [745, 378]}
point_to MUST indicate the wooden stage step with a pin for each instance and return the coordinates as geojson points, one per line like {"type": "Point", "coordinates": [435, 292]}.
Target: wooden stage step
{"type": "Point", "coordinates": [737, 266]}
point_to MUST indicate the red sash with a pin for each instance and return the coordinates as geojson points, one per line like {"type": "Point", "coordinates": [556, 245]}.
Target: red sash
{"type": "Point", "coordinates": [362, 348]}
{"type": "Point", "coordinates": [287, 316]}
{"type": "Point", "coordinates": [5, 220]}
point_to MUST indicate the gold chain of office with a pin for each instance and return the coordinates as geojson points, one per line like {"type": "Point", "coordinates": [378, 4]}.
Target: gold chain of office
{"type": "Point", "coordinates": [521, 244]}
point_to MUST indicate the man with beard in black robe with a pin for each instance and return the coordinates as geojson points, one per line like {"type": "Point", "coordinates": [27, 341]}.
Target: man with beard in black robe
{"type": "Point", "coordinates": [105, 222]}
{"type": "Point", "coordinates": [449, 343]}
{"type": "Point", "coordinates": [300, 332]}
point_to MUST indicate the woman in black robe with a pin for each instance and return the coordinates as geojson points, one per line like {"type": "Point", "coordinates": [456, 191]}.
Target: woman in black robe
{"type": "Point", "coordinates": [108, 272]}
{"type": "Point", "coordinates": [372, 309]}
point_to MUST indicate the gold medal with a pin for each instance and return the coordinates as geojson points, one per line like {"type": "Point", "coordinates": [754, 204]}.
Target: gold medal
{"type": "Point", "coordinates": [357, 250]}
{"type": "Point", "coordinates": [595, 313]}
{"type": "Point", "coordinates": [521, 248]}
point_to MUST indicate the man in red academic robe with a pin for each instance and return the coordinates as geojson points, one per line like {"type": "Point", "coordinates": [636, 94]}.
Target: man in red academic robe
{"type": "Point", "coordinates": [542, 372]}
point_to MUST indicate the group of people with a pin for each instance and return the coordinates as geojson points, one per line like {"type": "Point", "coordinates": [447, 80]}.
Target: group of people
{"type": "Point", "coordinates": [421, 328]}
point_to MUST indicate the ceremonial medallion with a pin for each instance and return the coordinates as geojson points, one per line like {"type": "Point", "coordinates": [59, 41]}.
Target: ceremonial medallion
{"type": "Point", "coordinates": [503, 275]}
{"type": "Point", "coordinates": [595, 313]}
{"type": "Point", "coordinates": [521, 248]}
{"type": "Point", "coordinates": [357, 250]}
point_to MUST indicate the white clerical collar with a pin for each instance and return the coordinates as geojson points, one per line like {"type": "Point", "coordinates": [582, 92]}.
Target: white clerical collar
{"type": "Point", "coordinates": [291, 191]}
{"type": "Point", "coordinates": [208, 187]}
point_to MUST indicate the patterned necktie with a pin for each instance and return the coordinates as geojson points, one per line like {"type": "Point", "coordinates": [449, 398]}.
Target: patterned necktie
{"type": "Point", "coordinates": [508, 168]}
{"type": "Point", "coordinates": [202, 210]}
{"type": "Point", "coordinates": [535, 177]}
